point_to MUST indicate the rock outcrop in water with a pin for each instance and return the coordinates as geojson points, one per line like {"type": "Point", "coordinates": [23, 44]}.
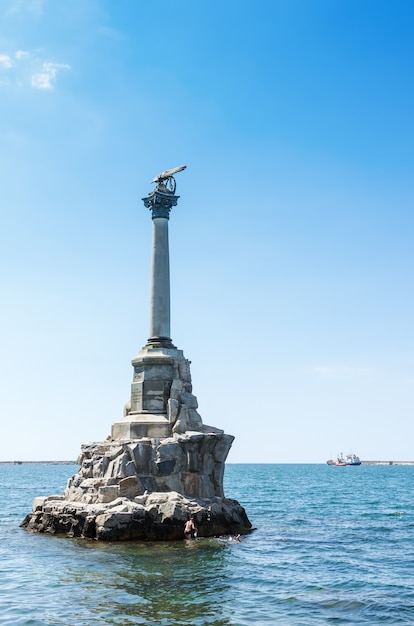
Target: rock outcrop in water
{"type": "Point", "coordinates": [145, 489]}
{"type": "Point", "coordinates": [156, 516]}
{"type": "Point", "coordinates": [161, 465]}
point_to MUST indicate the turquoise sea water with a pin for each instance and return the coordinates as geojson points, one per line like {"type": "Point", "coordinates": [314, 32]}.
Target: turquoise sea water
{"type": "Point", "coordinates": [333, 546]}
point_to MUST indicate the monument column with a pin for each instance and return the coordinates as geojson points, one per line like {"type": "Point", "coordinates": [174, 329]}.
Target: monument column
{"type": "Point", "coordinates": [160, 202]}
{"type": "Point", "coordinates": [159, 363]}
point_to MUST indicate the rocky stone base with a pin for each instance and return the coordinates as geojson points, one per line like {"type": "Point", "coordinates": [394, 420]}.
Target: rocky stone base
{"type": "Point", "coordinates": [154, 516]}
{"type": "Point", "coordinates": [191, 463]}
{"type": "Point", "coordinates": [145, 488]}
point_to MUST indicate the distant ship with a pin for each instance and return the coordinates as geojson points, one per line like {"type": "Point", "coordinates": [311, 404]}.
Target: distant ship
{"type": "Point", "coordinates": [353, 459]}
{"type": "Point", "coordinates": [342, 461]}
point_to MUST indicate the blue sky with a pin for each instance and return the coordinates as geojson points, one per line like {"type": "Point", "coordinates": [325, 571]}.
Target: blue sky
{"type": "Point", "coordinates": [291, 245]}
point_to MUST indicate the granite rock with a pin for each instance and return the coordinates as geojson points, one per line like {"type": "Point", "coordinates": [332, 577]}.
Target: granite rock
{"type": "Point", "coordinates": [145, 489]}
{"type": "Point", "coordinates": [155, 516]}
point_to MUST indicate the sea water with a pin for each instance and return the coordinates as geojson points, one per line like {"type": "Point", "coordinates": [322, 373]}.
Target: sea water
{"type": "Point", "coordinates": [332, 545]}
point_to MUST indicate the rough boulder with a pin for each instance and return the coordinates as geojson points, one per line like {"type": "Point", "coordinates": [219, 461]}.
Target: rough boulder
{"type": "Point", "coordinates": [145, 489]}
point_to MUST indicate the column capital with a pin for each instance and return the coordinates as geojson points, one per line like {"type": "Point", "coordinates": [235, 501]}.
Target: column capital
{"type": "Point", "coordinates": [160, 201]}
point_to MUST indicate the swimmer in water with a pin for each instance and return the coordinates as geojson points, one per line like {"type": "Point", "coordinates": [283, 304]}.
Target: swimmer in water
{"type": "Point", "coordinates": [190, 531]}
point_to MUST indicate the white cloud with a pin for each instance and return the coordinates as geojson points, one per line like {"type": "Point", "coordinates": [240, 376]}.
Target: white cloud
{"type": "Point", "coordinates": [329, 372]}
{"type": "Point", "coordinates": [23, 68]}
{"type": "Point", "coordinates": [25, 6]}
{"type": "Point", "coordinates": [5, 61]}
{"type": "Point", "coordinates": [36, 6]}
{"type": "Point", "coordinates": [46, 78]}
{"type": "Point", "coordinates": [21, 54]}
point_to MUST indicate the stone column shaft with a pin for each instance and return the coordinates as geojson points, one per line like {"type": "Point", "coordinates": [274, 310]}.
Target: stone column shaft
{"type": "Point", "coordinates": [160, 281]}
{"type": "Point", "coordinates": [160, 201]}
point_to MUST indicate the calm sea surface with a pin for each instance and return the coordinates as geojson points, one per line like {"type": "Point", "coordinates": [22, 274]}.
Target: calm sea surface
{"type": "Point", "coordinates": [333, 545]}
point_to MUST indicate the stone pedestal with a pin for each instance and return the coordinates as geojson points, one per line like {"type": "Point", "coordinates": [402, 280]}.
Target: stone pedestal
{"type": "Point", "coordinates": [161, 400]}
{"type": "Point", "coordinates": [147, 426]}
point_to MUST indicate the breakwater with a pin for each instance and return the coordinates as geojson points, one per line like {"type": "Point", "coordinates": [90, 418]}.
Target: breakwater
{"type": "Point", "coordinates": [387, 462]}
{"type": "Point", "coordinates": [38, 463]}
